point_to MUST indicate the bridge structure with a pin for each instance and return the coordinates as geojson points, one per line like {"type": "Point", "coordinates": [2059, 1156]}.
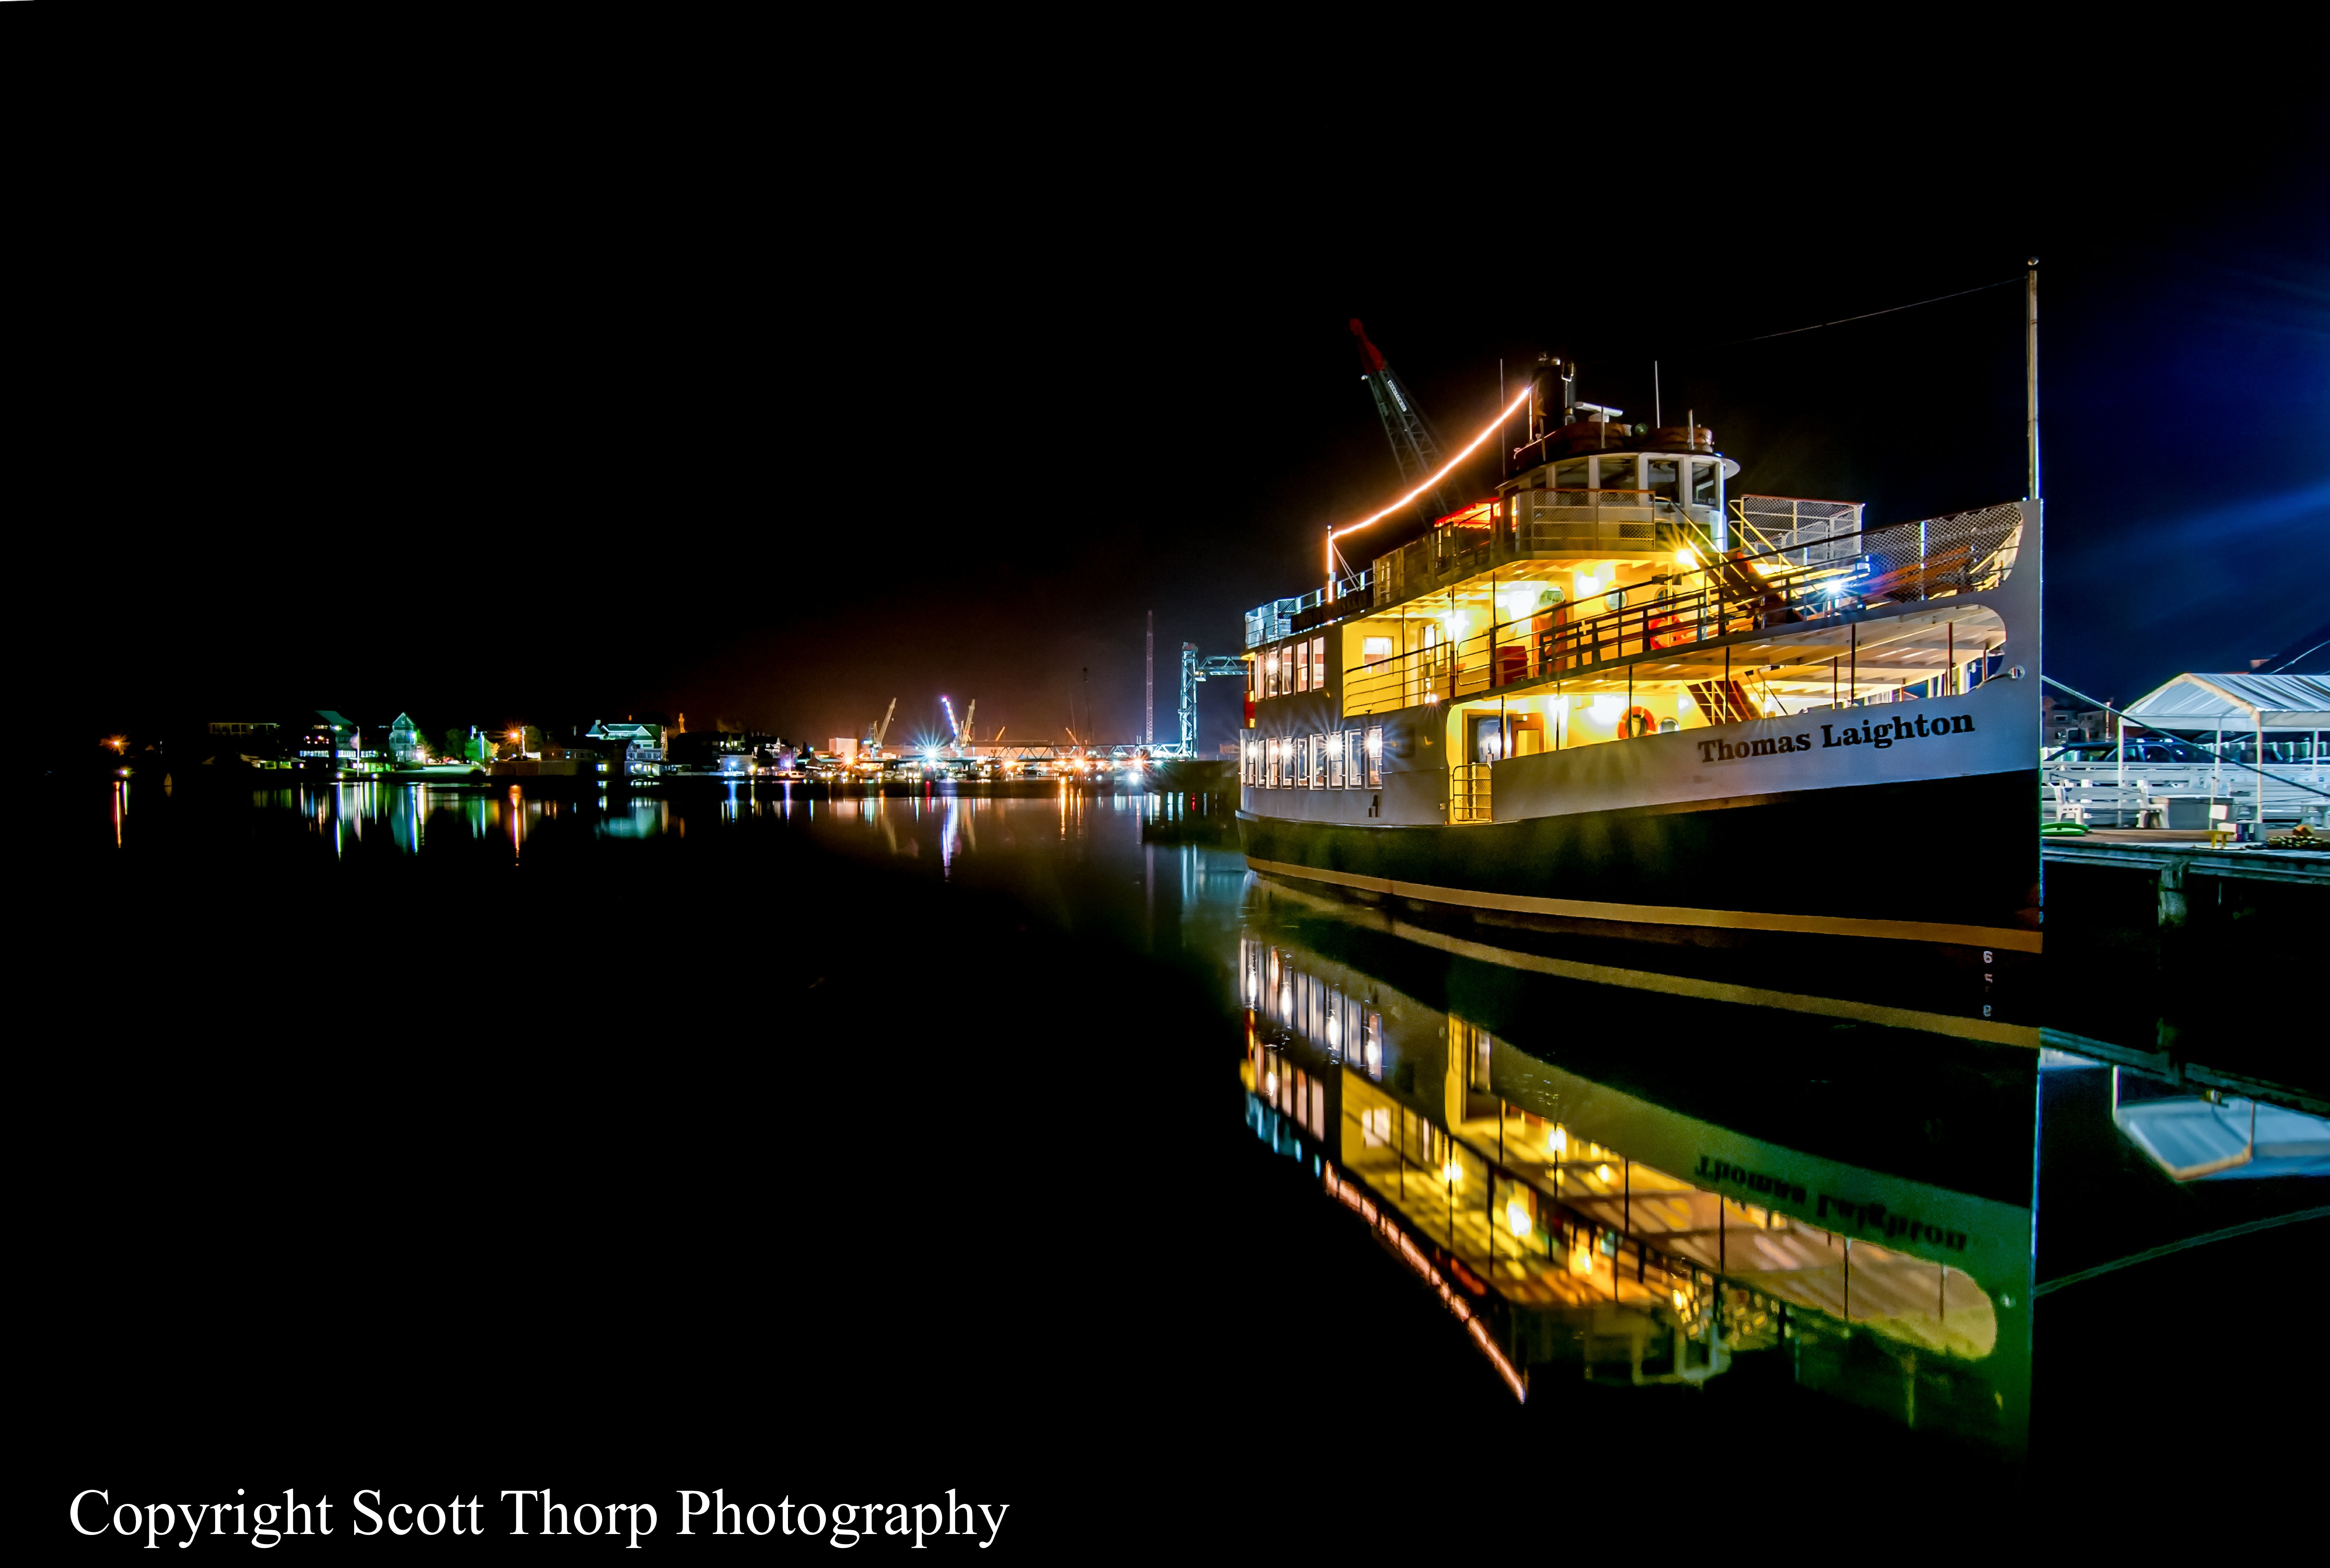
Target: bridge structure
{"type": "Point", "coordinates": [1196, 669]}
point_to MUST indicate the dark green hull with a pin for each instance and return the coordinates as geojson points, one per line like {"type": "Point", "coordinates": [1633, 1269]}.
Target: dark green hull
{"type": "Point", "coordinates": [1922, 860]}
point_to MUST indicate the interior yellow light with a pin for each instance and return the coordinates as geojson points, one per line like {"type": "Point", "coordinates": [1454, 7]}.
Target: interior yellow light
{"type": "Point", "coordinates": [1602, 1172]}
{"type": "Point", "coordinates": [1588, 587]}
{"type": "Point", "coordinates": [1517, 1218]}
{"type": "Point", "coordinates": [1557, 1141]}
{"type": "Point", "coordinates": [1454, 1174]}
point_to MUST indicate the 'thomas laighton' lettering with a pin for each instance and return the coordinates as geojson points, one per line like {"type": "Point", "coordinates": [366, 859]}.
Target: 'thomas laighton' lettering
{"type": "Point", "coordinates": [1878, 732]}
{"type": "Point", "coordinates": [1767, 746]}
{"type": "Point", "coordinates": [1872, 1217]}
{"type": "Point", "coordinates": [1717, 1171]}
{"type": "Point", "coordinates": [1831, 1209]}
{"type": "Point", "coordinates": [1882, 732]}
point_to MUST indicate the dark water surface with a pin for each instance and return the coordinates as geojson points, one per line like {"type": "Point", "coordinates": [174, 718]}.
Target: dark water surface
{"type": "Point", "coordinates": [720, 1136]}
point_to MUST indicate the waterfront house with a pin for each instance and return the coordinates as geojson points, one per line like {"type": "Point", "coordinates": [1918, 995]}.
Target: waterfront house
{"type": "Point", "coordinates": [331, 740]}
{"type": "Point", "coordinates": [408, 747]}
{"type": "Point", "coordinates": [643, 743]}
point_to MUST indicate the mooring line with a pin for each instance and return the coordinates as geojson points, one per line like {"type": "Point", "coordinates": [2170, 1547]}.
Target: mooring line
{"type": "Point", "coordinates": [2228, 1233]}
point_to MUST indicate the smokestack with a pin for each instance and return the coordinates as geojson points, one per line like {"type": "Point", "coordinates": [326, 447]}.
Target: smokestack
{"type": "Point", "coordinates": [1149, 689]}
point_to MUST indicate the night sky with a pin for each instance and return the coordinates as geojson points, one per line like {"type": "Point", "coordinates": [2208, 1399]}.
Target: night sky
{"type": "Point", "coordinates": [586, 425]}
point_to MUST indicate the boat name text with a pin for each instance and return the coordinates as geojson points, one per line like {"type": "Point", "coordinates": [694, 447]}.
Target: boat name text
{"type": "Point", "coordinates": [1863, 1216]}
{"type": "Point", "coordinates": [1878, 732]}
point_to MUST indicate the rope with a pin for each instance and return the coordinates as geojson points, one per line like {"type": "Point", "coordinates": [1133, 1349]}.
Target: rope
{"type": "Point", "coordinates": [2149, 1253]}
{"type": "Point", "coordinates": [1864, 315]}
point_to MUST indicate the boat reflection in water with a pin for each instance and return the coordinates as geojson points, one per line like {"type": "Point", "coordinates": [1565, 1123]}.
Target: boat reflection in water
{"type": "Point", "coordinates": [1605, 1218]}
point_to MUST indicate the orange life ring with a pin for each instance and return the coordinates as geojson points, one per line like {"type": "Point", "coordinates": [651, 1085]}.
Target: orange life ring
{"type": "Point", "coordinates": [1638, 722]}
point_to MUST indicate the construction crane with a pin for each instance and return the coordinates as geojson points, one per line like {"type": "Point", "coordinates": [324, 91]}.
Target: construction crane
{"type": "Point", "coordinates": [1414, 446]}
{"type": "Point", "coordinates": [967, 740]}
{"type": "Point", "coordinates": [1194, 669]}
{"type": "Point", "coordinates": [875, 734]}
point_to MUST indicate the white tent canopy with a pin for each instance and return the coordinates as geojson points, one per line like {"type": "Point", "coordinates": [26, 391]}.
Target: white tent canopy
{"type": "Point", "coordinates": [2235, 703]}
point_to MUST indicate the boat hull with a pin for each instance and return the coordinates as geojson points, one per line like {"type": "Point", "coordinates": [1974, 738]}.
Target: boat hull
{"type": "Point", "coordinates": [1937, 861]}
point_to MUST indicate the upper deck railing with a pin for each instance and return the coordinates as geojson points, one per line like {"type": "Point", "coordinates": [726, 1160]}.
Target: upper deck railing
{"type": "Point", "coordinates": [1283, 618]}
{"type": "Point", "coordinates": [1731, 593]}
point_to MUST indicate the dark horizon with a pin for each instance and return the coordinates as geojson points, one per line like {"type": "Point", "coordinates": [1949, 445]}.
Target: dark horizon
{"type": "Point", "coordinates": [773, 484]}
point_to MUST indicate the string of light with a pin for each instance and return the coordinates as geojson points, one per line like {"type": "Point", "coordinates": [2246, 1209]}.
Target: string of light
{"type": "Point", "coordinates": [1450, 467]}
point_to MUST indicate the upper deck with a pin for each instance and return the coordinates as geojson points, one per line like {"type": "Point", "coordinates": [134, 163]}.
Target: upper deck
{"type": "Point", "coordinates": [1588, 490]}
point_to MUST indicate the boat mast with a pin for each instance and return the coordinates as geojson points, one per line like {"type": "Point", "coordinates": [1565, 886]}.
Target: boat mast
{"type": "Point", "coordinates": [2031, 366]}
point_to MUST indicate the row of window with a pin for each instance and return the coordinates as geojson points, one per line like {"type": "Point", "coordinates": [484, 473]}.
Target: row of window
{"type": "Point", "coordinates": [1295, 667]}
{"type": "Point", "coordinates": [1350, 759]}
{"type": "Point", "coordinates": [1668, 478]}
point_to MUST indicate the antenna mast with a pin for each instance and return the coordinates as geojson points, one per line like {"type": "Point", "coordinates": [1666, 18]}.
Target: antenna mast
{"type": "Point", "coordinates": [2031, 366]}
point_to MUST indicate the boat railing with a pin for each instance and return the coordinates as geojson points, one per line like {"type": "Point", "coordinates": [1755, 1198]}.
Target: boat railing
{"type": "Point", "coordinates": [1726, 595]}
{"type": "Point", "coordinates": [1468, 792]}
{"type": "Point", "coordinates": [1283, 618]}
{"type": "Point", "coordinates": [1801, 531]}
{"type": "Point", "coordinates": [2108, 793]}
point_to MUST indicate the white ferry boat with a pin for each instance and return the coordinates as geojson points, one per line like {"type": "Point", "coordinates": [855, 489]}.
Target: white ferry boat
{"type": "Point", "coordinates": [1615, 696]}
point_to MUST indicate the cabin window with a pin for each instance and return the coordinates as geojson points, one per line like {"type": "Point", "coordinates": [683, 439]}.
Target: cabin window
{"type": "Point", "coordinates": [1375, 756]}
{"type": "Point", "coordinates": [1318, 663]}
{"type": "Point", "coordinates": [1355, 752]}
{"type": "Point", "coordinates": [1318, 762]}
{"type": "Point", "coordinates": [1574, 475]}
{"type": "Point", "coordinates": [1270, 673]}
{"type": "Point", "coordinates": [1298, 777]}
{"type": "Point", "coordinates": [1707, 484]}
{"type": "Point", "coordinates": [1334, 749]}
{"type": "Point", "coordinates": [1662, 477]}
{"type": "Point", "coordinates": [1270, 765]}
{"type": "Point", "coordinates": [1374, 648]}
{"type": "Point", "coordinates": [1615, 473]}
{"type": "Point", "coordinates": [1300, 675]}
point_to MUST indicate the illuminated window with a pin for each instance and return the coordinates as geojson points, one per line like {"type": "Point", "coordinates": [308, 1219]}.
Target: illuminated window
{"type": "Point", "coordinates": [1270, 673]}
{"type": "Point", "coordinates": [1707, 484]}
{"type": "Point", "coordinates": [1355, 747]}
{"type": "Point", "coordinates": [1333, 747]}
{"type": "Point", "coordinates": [1318, 762]}
{"type": "Point", "coordinates": [1318, 663]}
{"type": "Point", "coordinates": [1375, 1127]}
{"type": "Point", "coordinates": [1298, 772]}
{"type": "Point", "coordinates": [1270, 751]}
{"type": "Point", "coordinates": [1372, 649]}
{"type": "Point", "coordinates": [1375, 756]}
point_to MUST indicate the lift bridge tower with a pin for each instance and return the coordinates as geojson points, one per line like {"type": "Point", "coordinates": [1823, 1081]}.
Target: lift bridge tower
{"type": "Point", "coordinates": [1414, 446]}
{"type": "Point", "coordinates": [1195, 669]}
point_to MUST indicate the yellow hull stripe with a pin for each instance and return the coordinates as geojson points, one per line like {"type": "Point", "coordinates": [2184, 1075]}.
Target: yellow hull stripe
{"type": "Point", "coordinates": [1987, 1031]}
{"type": "Point", "coordinates": [2011, 939]}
